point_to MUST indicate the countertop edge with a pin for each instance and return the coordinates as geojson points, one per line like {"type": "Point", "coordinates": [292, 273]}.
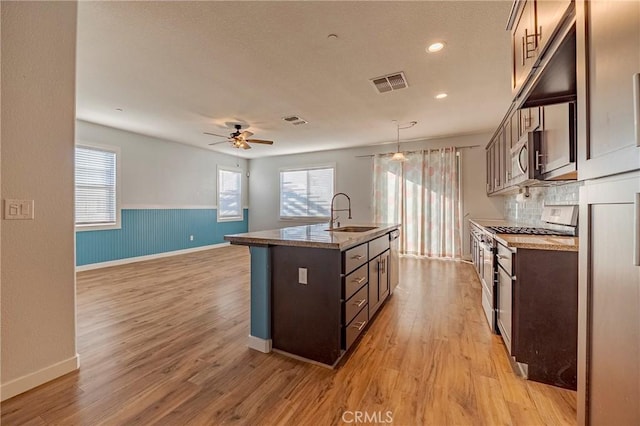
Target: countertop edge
{"type": "Point", "coordinates": [354, 239]}
{"type": "Point", "coordinates": [544, 244]}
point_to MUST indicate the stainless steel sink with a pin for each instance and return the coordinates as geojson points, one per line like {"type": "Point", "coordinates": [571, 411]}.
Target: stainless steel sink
{"type": "Point", "coordinates": [353, 229]}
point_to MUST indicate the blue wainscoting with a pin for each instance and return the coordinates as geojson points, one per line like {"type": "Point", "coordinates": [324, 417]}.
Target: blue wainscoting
{"type": "Point", "coordinates": [151, 231]}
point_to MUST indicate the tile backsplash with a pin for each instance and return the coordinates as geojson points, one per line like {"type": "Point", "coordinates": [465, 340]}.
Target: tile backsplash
{"type": "Point", "coordinates": [529, 211]}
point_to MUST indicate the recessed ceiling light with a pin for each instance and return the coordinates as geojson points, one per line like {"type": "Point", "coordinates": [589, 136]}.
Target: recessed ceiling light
{"type": "Point", "coordinates": [435, 47]}
{"type": "Point", "coordinates": [441, 95]}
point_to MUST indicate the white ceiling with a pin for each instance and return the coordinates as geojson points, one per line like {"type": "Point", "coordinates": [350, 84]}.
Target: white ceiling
{"type": "Point", "coordinates": [178, 69]}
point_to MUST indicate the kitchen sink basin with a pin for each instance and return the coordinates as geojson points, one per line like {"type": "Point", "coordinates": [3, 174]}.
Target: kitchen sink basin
{"type": "Point", "coordinates": [353, 229]}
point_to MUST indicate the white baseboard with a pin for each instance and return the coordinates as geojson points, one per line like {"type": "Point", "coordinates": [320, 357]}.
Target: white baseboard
{"type": "Point", "coordinates": [259, 344]}
{"type": "Point", "coordinates": [148, 257]}
{"type": "Point", "coordinates": [32, 380]}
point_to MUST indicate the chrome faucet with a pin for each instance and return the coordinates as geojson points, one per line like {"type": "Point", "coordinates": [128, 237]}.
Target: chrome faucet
{"type": "Point", "coordinates": [333, 210]}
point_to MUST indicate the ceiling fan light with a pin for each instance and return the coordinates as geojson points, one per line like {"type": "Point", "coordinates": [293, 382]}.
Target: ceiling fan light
{"type": "Point", "coordinates": [398, 156]}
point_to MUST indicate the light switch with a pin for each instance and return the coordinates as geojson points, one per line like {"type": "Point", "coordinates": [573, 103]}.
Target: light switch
{"type": "Point", "coordinates": [302, 275]}
{"type": "Point", "coordinates": [18, 209]}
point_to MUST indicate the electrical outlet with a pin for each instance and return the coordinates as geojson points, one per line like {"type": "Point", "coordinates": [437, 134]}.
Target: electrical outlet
{"type": "Point", "coordinates": [190, 237]}
{"type": "Point", "coordinates": [302, 275]}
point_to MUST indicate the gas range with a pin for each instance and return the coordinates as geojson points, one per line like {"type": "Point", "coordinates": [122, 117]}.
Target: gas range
{"type": "Point", "coordinates": [523, 230]}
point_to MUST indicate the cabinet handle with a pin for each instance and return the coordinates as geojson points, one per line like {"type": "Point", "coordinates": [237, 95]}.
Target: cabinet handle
{"type": "Point", "coordinates": [636, 231]}
{"type": "Point", "coordinates": [357, 257]}
{"type": "Point", "coordinates": [360, 303]}
{"type": "Point", "coordinates": [539, 156]}
{"type": "Point", "coordinates": [359, 325]}
{"type": "Point", "coordinates": [636, 106]}
{"type": "Point", "coordinates": [531, 43]}
{"type": "Point", "coordinates": [359, 280]}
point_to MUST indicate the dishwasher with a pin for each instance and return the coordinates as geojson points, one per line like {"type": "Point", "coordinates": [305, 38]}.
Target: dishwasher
{"type": "Point", "coordinates": [394, 260]}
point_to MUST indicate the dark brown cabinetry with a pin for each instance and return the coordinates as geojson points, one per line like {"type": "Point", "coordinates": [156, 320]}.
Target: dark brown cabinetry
{"type": "Point", "coordinates": [608, 67]}
{"type": "Point", "coordinates": [537, 304]}
{"type": "Point", "coordinates": [543, 43]}
{"type": "Point", "coordinates": [315, 306]}
{"type": "Point", "coordinates": [608, 44]}
{"type": "Point", "coordinates": [322, 318]}
{"type": "Point", "coordinates": [355, 287]}
{"type": "Point", "coordinates": [498, 170]}
{"type": "Point", "coordinates": [609, 313]}
{"type": "Point", "coordinates": [378, 273]}
{"type": "Point", "coordinates": [523, 44]}
{"type": "Point", "coordinates": [538, 143]}
{"type": "Point", "coordinates": [549, 15]}
{"type": "Point", "coordinates": [529, 120]}
{"type": "Point", "coordinates": [533, 26]}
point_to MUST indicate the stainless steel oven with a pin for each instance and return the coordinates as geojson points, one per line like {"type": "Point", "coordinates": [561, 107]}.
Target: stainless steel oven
{"type": "Point", "coordinates": [487, 248]}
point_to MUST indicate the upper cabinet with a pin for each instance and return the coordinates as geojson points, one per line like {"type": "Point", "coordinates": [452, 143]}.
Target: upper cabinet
{"type": "Point", "coordinates": [533, 25]}
{"type": "Point", "coordinates": [537, 138]}
{"type": "Point", "coordinates": [523, 45]}
{"type": "Point", "coordinates": [608, 71]}
{"type": "Point", "coordinates": [549, 15]}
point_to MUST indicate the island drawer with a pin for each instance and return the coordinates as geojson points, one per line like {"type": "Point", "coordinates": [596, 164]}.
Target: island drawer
{"type": "Point", "coordinates": [355, 304]}
{"type": "Point", "coordinates": [355, 328]}
{"type": "Point", "coordinates": [378, 246]}
{"type": "Point", "coordinates": [354, 258]}
{"type": "Point", "coordinates": [355, 280]}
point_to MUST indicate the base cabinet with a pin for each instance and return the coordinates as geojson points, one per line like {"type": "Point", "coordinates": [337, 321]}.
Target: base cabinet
{"type": "Point", "coordinates": [323, 317]}
{"type": "Point", "coordinates": [378, 282]}
{"type": "Point", "coordinates": [609, 311]}
{"type": "Point", "coordinates": [545, 320]}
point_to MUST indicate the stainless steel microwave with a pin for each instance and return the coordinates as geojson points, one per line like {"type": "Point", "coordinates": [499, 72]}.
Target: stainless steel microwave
{"type": "Point", "coordinates": [523, 159]}
{"type": "Point", "coordinates": [548, 153]}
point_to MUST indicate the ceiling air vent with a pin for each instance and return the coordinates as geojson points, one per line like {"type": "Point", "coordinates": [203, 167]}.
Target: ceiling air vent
{"type": "Point", "coordinates": [390, 82]}
{"type": "Point", "coordinates": [295, 120]}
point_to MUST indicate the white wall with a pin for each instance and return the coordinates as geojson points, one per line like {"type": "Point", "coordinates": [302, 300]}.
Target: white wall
{"type": "Point", "coordinates": [38, 271]}
{"type": "Point", "coordinates": [354, 176]}
{"type": "Point", "coordinates": [162, 173]}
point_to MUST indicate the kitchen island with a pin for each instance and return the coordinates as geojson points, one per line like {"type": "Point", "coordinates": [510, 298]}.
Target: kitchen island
{"type": "Point", "coordinates": [315, 290]}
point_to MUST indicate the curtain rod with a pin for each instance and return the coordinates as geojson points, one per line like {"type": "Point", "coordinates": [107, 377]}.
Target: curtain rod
{"type": "Point", "coordinates": [430, 149]}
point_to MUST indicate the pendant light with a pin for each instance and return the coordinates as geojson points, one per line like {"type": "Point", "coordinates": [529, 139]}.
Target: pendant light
{"type": "Point", "coordinates": [398, 155]}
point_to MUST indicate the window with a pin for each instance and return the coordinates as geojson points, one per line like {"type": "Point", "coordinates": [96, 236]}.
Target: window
{"type": "Point", "coordinates": [306, 193]}
{"type": "Point", "coordinates": [229, 194]}
{"type": "Point", "coordinates": [96, 185]}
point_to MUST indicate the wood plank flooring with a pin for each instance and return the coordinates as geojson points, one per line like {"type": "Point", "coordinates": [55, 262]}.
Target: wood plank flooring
{"type": "Point", "coordinates": [164, 342]}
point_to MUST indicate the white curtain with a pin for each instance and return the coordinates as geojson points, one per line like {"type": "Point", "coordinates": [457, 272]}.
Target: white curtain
{"type": "Point", "coordinates": [423, 194]}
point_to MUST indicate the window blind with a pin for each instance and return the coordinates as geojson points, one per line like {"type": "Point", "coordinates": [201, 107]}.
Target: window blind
{"type": "Point", "coordinates": [306, 193]}
{"type": "Point", "coordinates": [95, 186]}
{"type": "Point", "coordinates": [229, 194]}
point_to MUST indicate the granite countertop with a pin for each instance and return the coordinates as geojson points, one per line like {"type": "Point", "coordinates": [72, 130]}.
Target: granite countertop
{"type": "Point", "coordinates": [316, 236]}
{"type": "Point", "coordinates": [536, 242]}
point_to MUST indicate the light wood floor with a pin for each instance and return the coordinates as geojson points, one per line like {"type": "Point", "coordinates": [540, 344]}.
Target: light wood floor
{"type": "Point", "coordinates": [164, 342]}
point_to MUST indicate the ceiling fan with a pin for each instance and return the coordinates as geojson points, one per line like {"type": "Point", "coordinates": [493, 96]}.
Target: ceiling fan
{"type": "Point", "coordinates": [239, 139]}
